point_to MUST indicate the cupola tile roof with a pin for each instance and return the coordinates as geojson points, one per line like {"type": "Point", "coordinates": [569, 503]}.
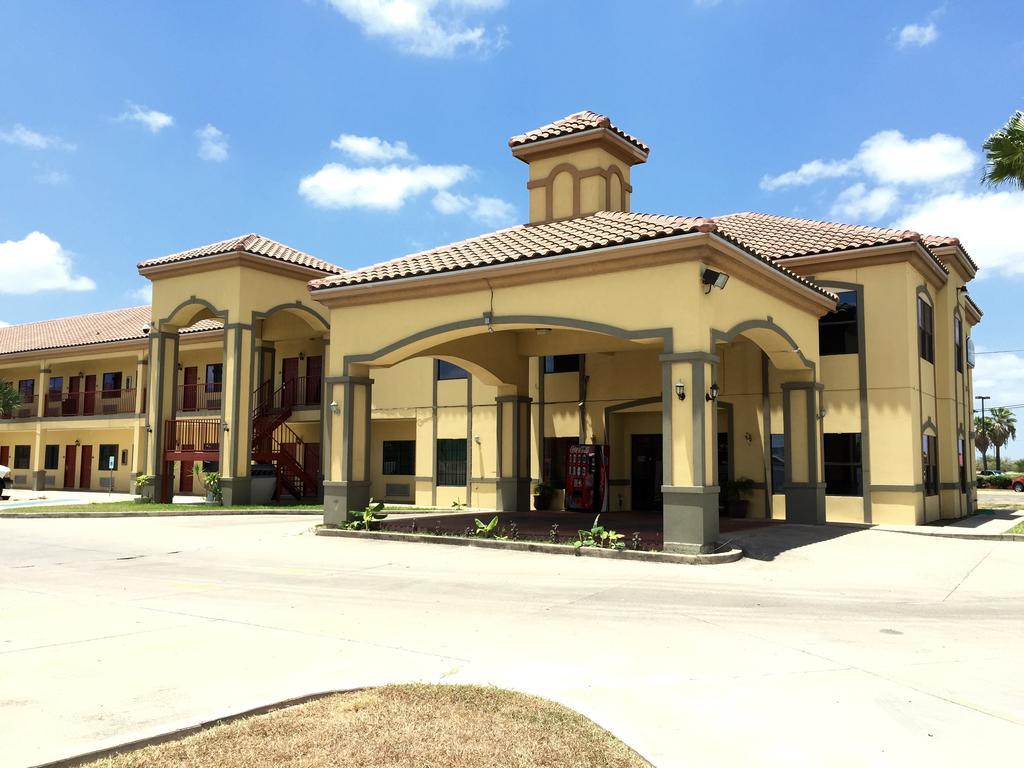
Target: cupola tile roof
{"type": "Point", "coordinates": [578, 122]}
{"type": "Point", "coordinates": [253, 244]}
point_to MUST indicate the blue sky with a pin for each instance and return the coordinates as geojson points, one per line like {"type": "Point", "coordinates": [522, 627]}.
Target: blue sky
{"type": "Point", "coordinates": [133, 129]}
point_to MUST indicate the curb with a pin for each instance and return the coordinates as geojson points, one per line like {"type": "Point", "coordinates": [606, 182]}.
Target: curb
{"type": "Point", "coordinates": [712, 558]}
{"type": "Point", "coordinates": [14, 514]}
{"type": "Point", "coordinates": [937, 532]}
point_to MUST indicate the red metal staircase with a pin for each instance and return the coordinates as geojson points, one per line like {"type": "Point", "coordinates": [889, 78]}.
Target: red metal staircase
{"type": "Point", "coordinates": [271, 435]}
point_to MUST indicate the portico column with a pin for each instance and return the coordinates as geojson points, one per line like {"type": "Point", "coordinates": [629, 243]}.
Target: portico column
{"type": "Point", "coordinates": [163, 369]}
{"type": "Point", "coordinates": [236, 415]}
{"type": "Point", "coordinates": [805, 489]}
{"type": "Point", "coordinates": [37, 479]}
{"type": "Point", "coordinates": [689, 493]}
{"type": "Point", "coordinates": [347, 487]}
{"type": "Point", "coordinates": [513, 441]}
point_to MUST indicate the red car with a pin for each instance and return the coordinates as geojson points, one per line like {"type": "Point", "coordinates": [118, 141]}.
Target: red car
{"type": "Point", "coordinates": [1018, 484]}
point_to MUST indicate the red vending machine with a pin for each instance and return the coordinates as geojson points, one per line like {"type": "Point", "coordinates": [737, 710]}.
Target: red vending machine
{"type": "Point", "coordinates": [586, 478]}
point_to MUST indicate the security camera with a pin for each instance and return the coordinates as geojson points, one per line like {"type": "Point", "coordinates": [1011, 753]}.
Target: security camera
{"type": "Point", "coordinates": [145, 330]}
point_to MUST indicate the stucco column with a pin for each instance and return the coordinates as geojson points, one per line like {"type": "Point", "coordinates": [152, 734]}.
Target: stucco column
{"type": "Point", "coordinates": [689, 493]}
{"type": "Point", "coordinates": [37, 476]}
{"type": "Point", "coordinates": [513, 441]}
{"type": "Point", "coordinates": [805, 489]}
{"type": "Point", "coordinates": [42, 389]}
{"type": "Point", "coordinates": [347, 487]}
{"type": "Point", "coordinates": [163, 370]}
{"type": "Point", "coordinates": [236, 415]}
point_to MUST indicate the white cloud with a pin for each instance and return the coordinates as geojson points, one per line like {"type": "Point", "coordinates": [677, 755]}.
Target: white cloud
{"type": "Point", "coordinates": [143, 293]}
{"type": "Point", "coordinates": [888, 158]}
{"type": "Point", "coordinates": [25, 137]}
{"type": "Point", "coordinates": [857, 202]}
{"type": "Point", "coordinates": [918, 35]}
{"type": "Point", "coordinates": [370, 149]}
{"type": "Point", "coordinates": [489, 210]}
{"type": "Point", "coordinates": [53, 178]}
{"type": "Point", "coordinates": [38, 263]}
{"type": "Point", "coordinates": [4, 324]}
{"type": "Point", "coordinates": [987, 223]}
{"type": "Point", "coordinates": [213, 144]}
{"type": "Point", "coordinates": [384, 188]}
{"type": "Point", "coordinates": [436, 28]}
{"type": "Point", "coordinates": [1000, 375]}
{"type": "Point", "coordinates": [153, 119]}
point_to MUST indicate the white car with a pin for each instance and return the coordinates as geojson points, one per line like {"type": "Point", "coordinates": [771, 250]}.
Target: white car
{"type": "Point", "coordinates": [5, 480]}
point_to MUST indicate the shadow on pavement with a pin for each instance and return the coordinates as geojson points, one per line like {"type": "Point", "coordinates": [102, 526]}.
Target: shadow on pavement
{"type": "Point", "coordinates": [767, 542]}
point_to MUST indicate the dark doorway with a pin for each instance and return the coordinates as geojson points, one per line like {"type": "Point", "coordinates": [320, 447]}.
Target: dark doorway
{"type": "Point", "coordinates": [70, 455]}
{"type": "Point", "coordinates": [89, 406]}
{"type": "Point", "coordinates": [646, 475]}
{"type": "Point", "coordinates": [311, 463]}
{"type": "Point", "coordinates": [190, 390]}
{"type": "Point", "coordinates": [314, 374]}
{"type": "Point", "coordinates": [85, 478]}
{"type": "Point", "coordinates": [185, 486]}
{"type": "Point", "coordinates": [71, 403]}
{"type": "Point", "coordinates": [289, 381]}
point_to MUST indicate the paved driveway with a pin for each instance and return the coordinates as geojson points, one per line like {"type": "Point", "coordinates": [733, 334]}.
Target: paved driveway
{"type": "Point", "coordinates": [834, 647]}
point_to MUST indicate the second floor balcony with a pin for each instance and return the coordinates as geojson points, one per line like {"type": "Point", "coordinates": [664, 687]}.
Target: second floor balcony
{"type": "Point", "coordinates": [105, 402]}
{"type": "Point", "coordinates": [27, 408]}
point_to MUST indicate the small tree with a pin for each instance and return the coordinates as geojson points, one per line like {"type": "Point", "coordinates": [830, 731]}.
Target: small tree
{"type": "Point", "coordinates": [983, 438]}
{"type": "Point", "coordinates": [1004, 154]}
{"type": "Point", "coordinates": [10, 398]}
{"type": "Point", "coordinates": [1004, 429]}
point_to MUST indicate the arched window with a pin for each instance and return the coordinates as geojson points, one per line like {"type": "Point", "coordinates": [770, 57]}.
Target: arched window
{"type": "Point", "coordinates": [958, 343]}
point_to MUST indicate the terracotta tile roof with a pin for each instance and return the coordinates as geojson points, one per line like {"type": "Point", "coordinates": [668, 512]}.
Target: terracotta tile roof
{"type": "Point", "coordinates": [83, 330]}
{"type": "Point", "coordinates": [940, 241]}
{"type": "Point", "coordinates": [254, 244]}
{"type": "Point", "coordinates": [528, 242]}
{"type": "Point", "coordinates": [575, 123]}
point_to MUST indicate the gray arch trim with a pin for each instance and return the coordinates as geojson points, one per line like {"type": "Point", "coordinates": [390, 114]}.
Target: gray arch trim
{"type": "Point", "coordinates": [724, 337]}
{"type": "Point", "coordinates": [929, 424]}
{"type": "Point", "coordinates": [862, 377]}
{"type": "Point", "coordinates": [543, 320]}
{"type": "Point", "coordinates": [221, 313]}
{"type": "Point", "coordinates": [291, 305]}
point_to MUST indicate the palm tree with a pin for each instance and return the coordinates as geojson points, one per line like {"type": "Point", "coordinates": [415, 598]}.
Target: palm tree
{"type": "Point", "coordinates": [10, 398]}
{"type": "Point", "coordinates": [1004, 429]}
{"type": "Point", "coordinates": [983, 438]}
{"type": "Point", "coordinates": [1004, 154]}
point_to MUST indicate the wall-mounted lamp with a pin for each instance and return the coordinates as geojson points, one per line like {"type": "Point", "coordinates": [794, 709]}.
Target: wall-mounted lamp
{"type": "Point", "coordinates": [489, 321]}
{"type": "Point", "coordinates": [149, 430]}
{"type": "Point", "coordinates": [712, 394]}
{"type": "Point", "coordinates": [749, 438]}
{"type": "Point", "coordinates": [179, 366]}
{"type": "Point", "coordinates": [680, 390]}
{"type": "Point", "coordinates": [226, 428]}
{"type": "Point", "coordinates": [334, 406]}
{"type": "Point", "coordinates": [81, 374]}
{"type": "Point", "coordinates": [476, 439]}
{"type": "Point", "coordinates": [77, 443]}
{"type": "Point", "coordinates": [712, 279]}
{"type": "Point", "coordinates": [821, 413]}
{"type": "Point", "coordinates": [302, 355]}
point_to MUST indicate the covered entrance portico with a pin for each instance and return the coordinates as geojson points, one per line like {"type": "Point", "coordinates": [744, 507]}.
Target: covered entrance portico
{"type": "Point", "coordinates": [656, 338]}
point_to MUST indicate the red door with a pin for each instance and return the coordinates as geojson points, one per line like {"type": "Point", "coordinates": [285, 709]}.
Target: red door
{"type": "Point", "coordinates": [311, 463]}
{"type": "Point", "coordinates": [187, 473]}
{"type": "Point", "coordinates": [189, 393]}
{"type": "Point", "coordinates": [70, 453]}
{"type": "Point", "coordinates": [85, 480]}
{"type": "Point", "coordinates": [89, 401]}
{"type": "Point", "coordinates": [314, 373]}
{"type": "Point", "coordinates": [74, 392]}
{"type": "Point", "coordinates": [5, 455]}
{"type": "Point", "coordinates": [289, 374]}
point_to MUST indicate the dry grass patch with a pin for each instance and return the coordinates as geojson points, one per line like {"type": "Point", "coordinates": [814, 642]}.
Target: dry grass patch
{"type": "Point", "coordinates": [399, 726]}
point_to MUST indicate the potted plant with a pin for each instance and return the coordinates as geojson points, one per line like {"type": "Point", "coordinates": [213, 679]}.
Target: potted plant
{"type": "Point", "coordinates": [211, 483]}
{"type": "Point", "coordinates": [144, 488]}
{"type": "Point", "coordinates": [735, 504]}
{"type": "Point", "coordinates": [543, 494]}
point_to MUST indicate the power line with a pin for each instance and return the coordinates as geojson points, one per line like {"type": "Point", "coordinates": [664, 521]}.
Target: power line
{"type": "Point", "coordinates": [999, 351]}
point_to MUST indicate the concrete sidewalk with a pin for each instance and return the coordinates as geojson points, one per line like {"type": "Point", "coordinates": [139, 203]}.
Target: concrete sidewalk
{"type": "Point", "coordinates": [824, 647]}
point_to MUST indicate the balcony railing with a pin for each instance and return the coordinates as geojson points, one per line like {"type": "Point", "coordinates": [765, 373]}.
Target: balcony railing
{"type": "Point", "coordinates": [26, 409]}
{"type": "Point", "coordinates": [293, 393]}
{"type": "Point", "coordinates": [200, 397]}
{"type": "Point", "coordinates": [106, 402]}
{"type": "Point", "coordinates": [192, 435]}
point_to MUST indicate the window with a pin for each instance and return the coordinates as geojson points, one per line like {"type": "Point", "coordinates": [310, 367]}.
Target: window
{"type": "Point", "coordinates": [27, 390]}
{"type": "Point", "coordinates": [107, 453]}
{"type": "Point", "coordinates": [447, 371]}
{"type": "Point", "coordinates": [56, 385]}
{"type": "Point", "coordinates": [451, 462]}
{"type": "Point", "coordinates": [112, 384]}
{"type": "Point", "coordinates": [562, 364]}
{"type": "Point", "coordinates": [214, 377]}
{"type": "Point", "coordinates": [837, 331]}
{"type": "Point", "coordinates": [926, 330]}
{"type": "Point", "coordinates": [399, 457]}
{"type": "Point", "coordinates": [843, 464]}
{"type": "Point", "coordinates": [52, 457]}
{"type": "Point", "coordinates": [778, 463]}
{"type": "Point", "coordinates": [930, 464]}
{"type": "Point", "coordinates": [962, 465]}
{"type": "Point", "coordinates": [958, 343]}
{"type": "Point", "coordinates": [556, 449]}
{"type": "Point", "coordinates": [22, 455]}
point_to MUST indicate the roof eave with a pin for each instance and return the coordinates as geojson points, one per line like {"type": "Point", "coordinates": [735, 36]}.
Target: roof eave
{"type": "Point", "coordinates": [529, 149]}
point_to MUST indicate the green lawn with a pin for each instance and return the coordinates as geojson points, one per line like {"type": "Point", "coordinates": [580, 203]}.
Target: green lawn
{"type": "Point", "coordinates": [124, 507]}
{"type": "Point", "coordinates": [1018, 528]}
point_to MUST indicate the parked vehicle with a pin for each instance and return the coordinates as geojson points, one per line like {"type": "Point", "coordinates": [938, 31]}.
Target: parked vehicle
{"type": "Point", "coordinates": [1018, 484]}
{"type": "Point", "coordinates": [5, 480]}
{"type": "Point", "coordinates": [988, 473]}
